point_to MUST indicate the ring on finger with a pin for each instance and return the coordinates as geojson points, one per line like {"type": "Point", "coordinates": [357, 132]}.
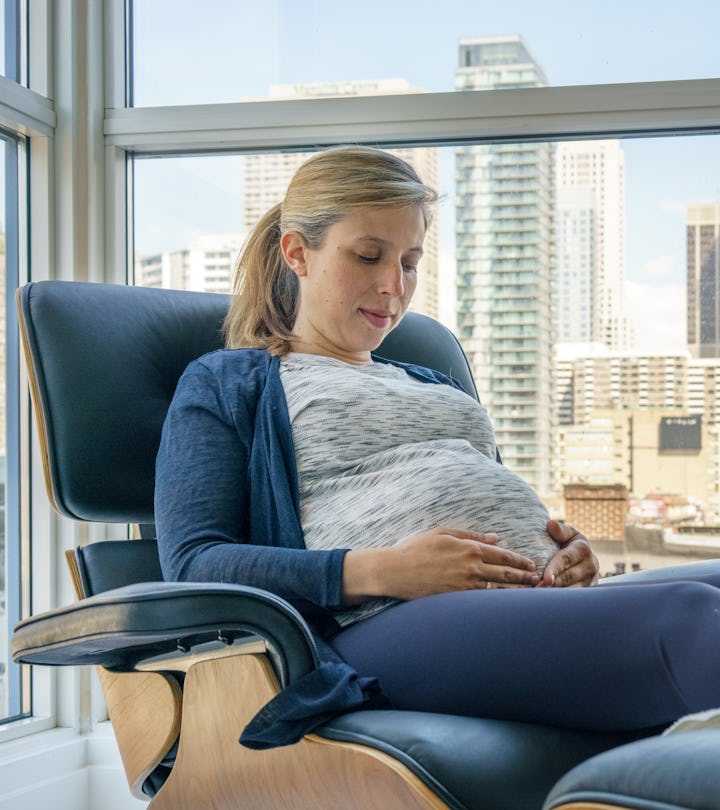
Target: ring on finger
{"type": "Point", "coordinates": [488, 585]}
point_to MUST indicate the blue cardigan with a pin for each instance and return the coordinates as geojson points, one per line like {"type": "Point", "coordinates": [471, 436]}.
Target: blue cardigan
{"type": "Point", "coordinates": [227, 510]}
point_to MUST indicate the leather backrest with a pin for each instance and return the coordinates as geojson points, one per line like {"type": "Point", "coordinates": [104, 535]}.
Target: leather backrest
{"type": "Point", "coordinates": [109, 564]}
{"type": "Point", "coordinates": [103, 362]}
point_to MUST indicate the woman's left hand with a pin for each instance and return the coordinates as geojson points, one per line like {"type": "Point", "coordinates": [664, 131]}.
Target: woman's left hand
{"type": "Point", "coordinates": [574, 565]}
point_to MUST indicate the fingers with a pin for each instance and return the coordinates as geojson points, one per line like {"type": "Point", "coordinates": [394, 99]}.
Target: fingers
{"type": "Point", "coordinates": [562, 533]}
{"type": "Point", "coordinates": [495, 556]}
{"type": "Point", "coordinates": [496, 567]}
{"type": "Point", "coordinates": [501, 578]}
{"type": "Point", "coordinates": [445, 559]}
{"type": "Point", "coordinates": [466, 534]}
{"type": "Point", "coordinates": [574, 565]}
{"type": "Point", "coordinates": [506, 569]}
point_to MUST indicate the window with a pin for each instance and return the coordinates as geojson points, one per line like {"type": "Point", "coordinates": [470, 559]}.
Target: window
{"type": "Point", "coordinates": [26, 120]}
{"type": "Point", "coordinates": [501, 254]}
{"type": "Point", "coordinates": [231, 52]}
{"type": "Point", "coordinates": [14, 696]}
{"type": "Point", "coordinates": [187, 206]}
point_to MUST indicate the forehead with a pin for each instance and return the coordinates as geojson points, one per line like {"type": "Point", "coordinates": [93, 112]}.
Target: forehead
{"type": "Point", "coordinates": [398, 226]}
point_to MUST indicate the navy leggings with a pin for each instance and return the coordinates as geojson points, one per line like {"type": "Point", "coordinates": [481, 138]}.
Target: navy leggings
{"type": "Point", "coordinates": [608, 658]}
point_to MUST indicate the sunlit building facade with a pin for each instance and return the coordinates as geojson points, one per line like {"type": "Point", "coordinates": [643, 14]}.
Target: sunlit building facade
{"type": "Point", "coordinates": [206, 265]}
{"type": "Point", "coordinates": [590, 216]}
{"type": "Point", "coordinates": [612, 405]}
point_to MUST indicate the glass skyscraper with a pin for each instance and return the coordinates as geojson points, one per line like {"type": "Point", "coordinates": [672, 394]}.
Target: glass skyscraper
{"type": "Point", "coordinates": [505, 255]}
{"type": "Point", "coordinates": [703, 280]}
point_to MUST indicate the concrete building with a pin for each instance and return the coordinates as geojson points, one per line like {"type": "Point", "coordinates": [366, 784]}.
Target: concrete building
{"type": "Point", "coordinates": [266, 175]}
{"type": "Point", "coordinates": [590, 377]}
{"type": "Point", "coordinates": [596, 452]}
{"type": "Point", "coordinates": [207, 265]}
{"type": "Point", "coordinates": [600, 510]}
{"type": "Point", "coordinates": [504, 254]}
{"type": "Point", "coordinates": [617, 411]}
{"type": "Point", "coordinates": [636, 449]}
{"type": "Point", "coordinates": [590, 219]}
{"type": "Point", "coordinates": [703, 280]}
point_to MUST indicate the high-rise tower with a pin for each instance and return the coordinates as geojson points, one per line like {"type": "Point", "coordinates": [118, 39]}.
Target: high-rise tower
{"type": "Point", "coordinates": [703, 280]}
{"type": "Point", "coordinates": [504, 254]}
{"type": "Point", "coordinates": [590, 233]}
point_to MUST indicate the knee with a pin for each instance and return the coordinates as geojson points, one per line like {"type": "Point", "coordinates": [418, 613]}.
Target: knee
{"type": "Point", "coordinates": [690, 603]}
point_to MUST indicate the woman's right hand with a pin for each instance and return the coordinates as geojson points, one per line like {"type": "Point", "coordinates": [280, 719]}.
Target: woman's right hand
{"type": "Point", "coordinates": [434, 561]}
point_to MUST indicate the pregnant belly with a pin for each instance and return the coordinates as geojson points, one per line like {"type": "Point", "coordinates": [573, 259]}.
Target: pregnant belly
{"type": "Point", "coordinates": [378, 505]}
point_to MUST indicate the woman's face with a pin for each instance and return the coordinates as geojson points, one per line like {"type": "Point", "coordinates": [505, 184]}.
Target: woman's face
{"type": "Point", "coordinates": [357, 286]}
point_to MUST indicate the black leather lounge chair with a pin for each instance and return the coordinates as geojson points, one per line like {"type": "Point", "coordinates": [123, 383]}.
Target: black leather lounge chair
{"type": "Point", "coordinates": [185, 666]}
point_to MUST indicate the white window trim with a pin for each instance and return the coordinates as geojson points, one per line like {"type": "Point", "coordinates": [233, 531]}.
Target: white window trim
{"type": "Point", "coordinates": [31, 114]}
{"type": "Point", "coordinates": [621, 110]}
{"type": "Point", "coordinates": [24, 111]}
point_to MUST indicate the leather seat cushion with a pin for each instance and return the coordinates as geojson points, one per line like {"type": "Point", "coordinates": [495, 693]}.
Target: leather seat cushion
{"type": "Point", "coordinates": [470, 762]}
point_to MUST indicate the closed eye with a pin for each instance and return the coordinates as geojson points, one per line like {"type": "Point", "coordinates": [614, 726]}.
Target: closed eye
{"type": "Point", "coordinates": [368, 259]}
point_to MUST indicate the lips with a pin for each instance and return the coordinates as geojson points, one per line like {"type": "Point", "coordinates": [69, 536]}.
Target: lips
{"type": "Point", "coordinates": [378, 318]}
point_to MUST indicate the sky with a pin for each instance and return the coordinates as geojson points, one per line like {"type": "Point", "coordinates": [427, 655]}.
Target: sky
{"type": "Point", "coordinates": [247, 46]}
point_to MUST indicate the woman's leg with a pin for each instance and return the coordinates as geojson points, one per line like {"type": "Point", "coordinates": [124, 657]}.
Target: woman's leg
{"type": "Point", "coordinates": [603, 658]}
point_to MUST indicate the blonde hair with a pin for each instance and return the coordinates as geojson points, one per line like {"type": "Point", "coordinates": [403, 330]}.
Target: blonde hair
{"type": "Point", "coordinates": [325, 189]}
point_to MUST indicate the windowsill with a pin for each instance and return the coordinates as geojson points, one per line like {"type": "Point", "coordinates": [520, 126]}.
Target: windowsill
{"type": "Point", "coordinates": [65, 770]}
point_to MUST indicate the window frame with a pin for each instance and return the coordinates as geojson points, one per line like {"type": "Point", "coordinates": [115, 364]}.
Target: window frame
{"type": "Point", "coordinates": [644, 109]}
{"type": "Point", "coordinates": [423, 119]}
{"type": "Point", "coordinates": [27, 116]}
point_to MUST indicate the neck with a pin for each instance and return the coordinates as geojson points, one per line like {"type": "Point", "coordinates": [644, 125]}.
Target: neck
{"type": "Point", "coordinates": [311, 347]}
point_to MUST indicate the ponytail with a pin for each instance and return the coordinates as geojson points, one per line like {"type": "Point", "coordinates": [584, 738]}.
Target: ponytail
{"type": "Point", "coordinates": [264, 304]}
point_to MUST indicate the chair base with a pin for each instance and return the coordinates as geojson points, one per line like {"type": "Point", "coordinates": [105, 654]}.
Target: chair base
{"type": "Point", "coordinates": [214, 772]}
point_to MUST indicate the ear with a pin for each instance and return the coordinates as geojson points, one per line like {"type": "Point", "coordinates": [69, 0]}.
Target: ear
{"type": "Point", "coordinates": [294, 250]}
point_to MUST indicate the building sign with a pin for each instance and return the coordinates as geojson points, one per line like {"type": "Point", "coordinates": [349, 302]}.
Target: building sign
{"type": "Point", "coordinates": [681, 433]}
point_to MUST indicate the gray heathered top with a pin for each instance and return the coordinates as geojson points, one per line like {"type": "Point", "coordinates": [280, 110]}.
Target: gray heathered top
{"type": "Point", "coordinates": [381, 456]}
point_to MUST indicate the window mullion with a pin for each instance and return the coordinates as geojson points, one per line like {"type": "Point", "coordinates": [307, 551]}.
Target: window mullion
{"type": "Point", "coordinates": [544, 113]}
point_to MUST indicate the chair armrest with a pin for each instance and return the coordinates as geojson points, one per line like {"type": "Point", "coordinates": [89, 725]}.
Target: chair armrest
{"type": "Point", "coordinates": [121, 627]}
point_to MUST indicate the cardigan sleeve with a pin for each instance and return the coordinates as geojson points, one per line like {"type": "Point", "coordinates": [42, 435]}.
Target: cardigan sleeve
{"type": "Point", "coordinates": [202, 499]}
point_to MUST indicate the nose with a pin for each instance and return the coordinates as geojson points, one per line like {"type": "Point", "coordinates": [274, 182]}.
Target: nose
{"type": "Point", "coordinates": [391, 278]}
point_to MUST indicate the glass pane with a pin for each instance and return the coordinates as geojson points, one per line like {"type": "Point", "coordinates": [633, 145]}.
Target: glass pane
{"type": "Point", "coordinates": [194, 245]}
{"type": "Point", "coordinates": [224, 50]}
{"type": "Point", "coordinates": [3, 25]}
{"type": "Point", "coordinates": [583, 284]}
{"type": "Point", "coordinates": [10, 34]}
{"type": "Point", "coordinates": [4, 550]}
{"type": "Point", "coordinates": [12, 695]}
